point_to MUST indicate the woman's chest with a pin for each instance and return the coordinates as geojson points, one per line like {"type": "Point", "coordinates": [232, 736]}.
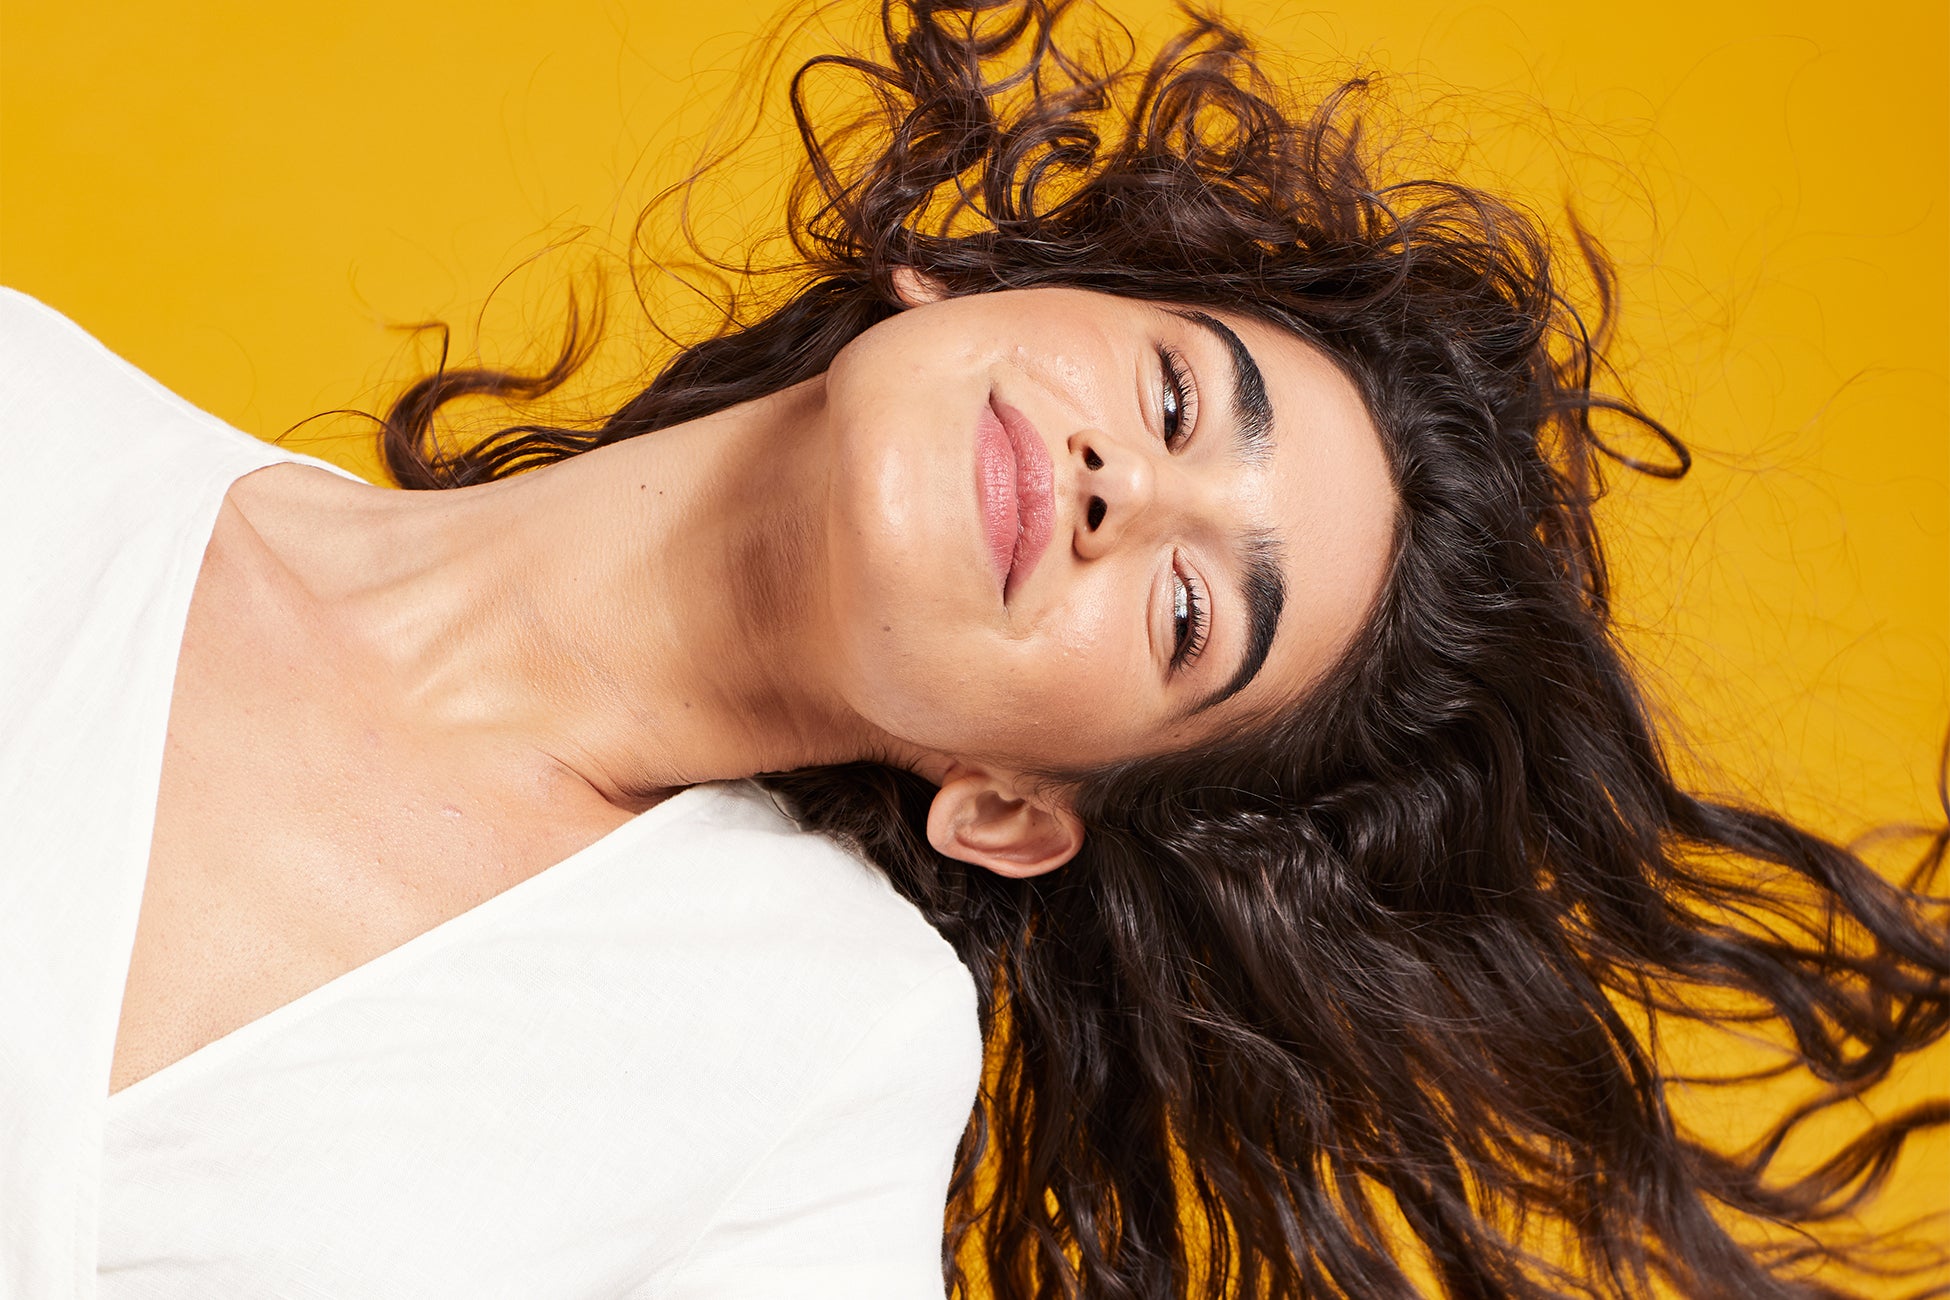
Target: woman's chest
{"type": "Point", "coordinates": [297, 834]}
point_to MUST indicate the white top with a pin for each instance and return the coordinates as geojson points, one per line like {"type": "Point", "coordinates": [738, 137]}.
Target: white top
{"type": "Point", "coordinates": [710, 1055]}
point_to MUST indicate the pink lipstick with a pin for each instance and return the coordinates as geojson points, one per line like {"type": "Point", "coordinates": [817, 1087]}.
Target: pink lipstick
{"type": "Point", "coordinates": [1013, 488]}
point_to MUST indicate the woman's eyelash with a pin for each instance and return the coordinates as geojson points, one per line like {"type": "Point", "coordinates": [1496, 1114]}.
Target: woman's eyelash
{"type": "Point", "coordinates": [1187, 620]}
{"type": "Point", "coordinates": [1180, 407]}
{"type": "Point", "coordinates": [1180, 393]}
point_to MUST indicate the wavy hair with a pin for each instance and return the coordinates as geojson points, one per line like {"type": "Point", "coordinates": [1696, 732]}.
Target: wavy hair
{"type": "Point", "coordinates": [1371, 992]}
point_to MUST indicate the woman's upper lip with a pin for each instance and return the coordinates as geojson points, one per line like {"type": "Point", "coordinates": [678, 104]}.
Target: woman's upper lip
{"type": "Point", "coordinates": [1014, 492]}
{"type": "Point", "coordinates": [1035, 493]}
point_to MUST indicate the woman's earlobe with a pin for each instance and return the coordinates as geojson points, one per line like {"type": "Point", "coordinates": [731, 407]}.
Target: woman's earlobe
{"type": "Point", "coordinates": [917, 288]}
{"type": "Point", "coordinates": [979, 819]}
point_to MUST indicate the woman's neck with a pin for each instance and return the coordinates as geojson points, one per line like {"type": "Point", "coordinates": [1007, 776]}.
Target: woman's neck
{"type": "Point", "coordinates": [646, 615]}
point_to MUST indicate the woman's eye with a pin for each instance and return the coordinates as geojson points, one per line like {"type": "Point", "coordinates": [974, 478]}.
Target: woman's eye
{"type": "Point", "coordinates": [1187, 621]}
{"type": "Point", "coordinates": [1179, 395]}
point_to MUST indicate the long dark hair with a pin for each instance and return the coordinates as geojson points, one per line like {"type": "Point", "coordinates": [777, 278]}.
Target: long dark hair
{"type": "Point", "coordinates": [1372, 992]}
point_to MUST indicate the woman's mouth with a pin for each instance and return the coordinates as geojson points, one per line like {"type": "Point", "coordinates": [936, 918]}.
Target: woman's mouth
{"type": "Point", "coordinates": [1013, 488]}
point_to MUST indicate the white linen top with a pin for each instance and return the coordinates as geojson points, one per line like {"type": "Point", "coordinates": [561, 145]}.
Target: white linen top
{"type": "Point", "coordinates": [709, 1055]}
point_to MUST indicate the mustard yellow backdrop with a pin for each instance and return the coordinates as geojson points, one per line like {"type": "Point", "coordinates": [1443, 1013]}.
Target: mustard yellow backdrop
{"type": "Point", "coordinates": [241, 197]}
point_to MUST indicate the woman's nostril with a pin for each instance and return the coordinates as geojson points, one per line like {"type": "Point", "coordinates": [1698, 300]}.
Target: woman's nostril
{"type": "Point", "coordinates": [1095, 515]}
{"type": "Point", "coordinates": [1091, 460]}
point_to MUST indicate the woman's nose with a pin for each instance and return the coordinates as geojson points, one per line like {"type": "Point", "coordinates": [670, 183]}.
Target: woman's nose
{"type": "Point", "coordinates": [1116, 486]}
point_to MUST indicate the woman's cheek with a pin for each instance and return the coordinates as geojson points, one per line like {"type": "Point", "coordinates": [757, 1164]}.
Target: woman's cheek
{"type": "Point", "coordinates": [1065, 693]}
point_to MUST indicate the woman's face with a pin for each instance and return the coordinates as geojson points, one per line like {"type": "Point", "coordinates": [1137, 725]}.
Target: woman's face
{"type": "Point", "coordinates": [1067, 527]}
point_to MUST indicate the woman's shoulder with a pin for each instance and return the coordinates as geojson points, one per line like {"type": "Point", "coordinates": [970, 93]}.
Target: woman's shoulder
{"type": "Point", "coordinates": [28, 323]}
{"type": "Point", "coordinates": [95, 455]}
{"type": "Point", "coordinates": [47, 360]}
{"type": "Point", "coordinates": [70, 406]}
{"type": "Point", "coordinates": [758, 863]}
{"type": "Point", "coordinates": [795, 940]}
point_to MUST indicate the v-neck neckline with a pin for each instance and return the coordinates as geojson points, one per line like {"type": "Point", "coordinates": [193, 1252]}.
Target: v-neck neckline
{"type": "Point", "coordinates": [210, 1055]}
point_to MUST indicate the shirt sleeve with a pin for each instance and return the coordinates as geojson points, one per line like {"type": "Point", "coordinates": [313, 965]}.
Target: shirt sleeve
{"type": "Point", "coordinates": [849, 1203]}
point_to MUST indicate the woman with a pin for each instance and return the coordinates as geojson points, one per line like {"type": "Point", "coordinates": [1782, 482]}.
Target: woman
{"type": "Point", "coordinates": [1162, 552]}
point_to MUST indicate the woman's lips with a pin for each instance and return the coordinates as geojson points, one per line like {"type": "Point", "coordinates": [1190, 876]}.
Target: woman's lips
{"type": "Point", "coordinates": [1013, 487]}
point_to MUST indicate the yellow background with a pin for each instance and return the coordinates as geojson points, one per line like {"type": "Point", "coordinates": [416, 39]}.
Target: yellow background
{"type": "Point", "coordinates": [241, 197]}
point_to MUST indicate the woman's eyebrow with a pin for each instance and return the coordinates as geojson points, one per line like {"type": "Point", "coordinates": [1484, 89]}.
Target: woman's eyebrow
{"type": "Point", "coordinates": [1263, 594]}
{"type": "Point", "coordinates": [1252, 410]}
{"type": "Point", "coordinates": [1262, 587]}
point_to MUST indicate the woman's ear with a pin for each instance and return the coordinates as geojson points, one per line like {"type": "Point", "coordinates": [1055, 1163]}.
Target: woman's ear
{"type": "Point", "coordinates": [917, 288]}
{"type": "Point", "coordinates": [985, 821]}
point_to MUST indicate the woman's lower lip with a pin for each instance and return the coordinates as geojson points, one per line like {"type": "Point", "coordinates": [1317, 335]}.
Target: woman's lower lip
{"type": "Point", "coordinates": [996, 476]}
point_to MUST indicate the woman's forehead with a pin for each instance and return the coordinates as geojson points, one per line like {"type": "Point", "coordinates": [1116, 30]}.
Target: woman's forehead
{"type": "Point", "coordinates": [1324, 493]}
